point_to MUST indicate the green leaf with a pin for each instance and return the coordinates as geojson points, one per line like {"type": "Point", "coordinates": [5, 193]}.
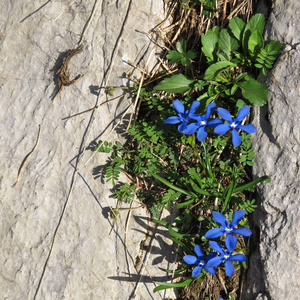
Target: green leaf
{"type": "Point", "coordinates": [241, 76]}
{"type": "Point", "coordinates": [184, 204]}
{"type": "Point", "coordinates": [161, 222]}
{"type": "Point", "coordinates": [185, 61]}
{"type": "Point", "coordinates": [210, 44]}
{"type": "Point", "coordinates": [268, 65]}
{"type": "Point", "coordinates": [175, 84]}
{"type": "Point", "coordinates": [254, 91]}
{"type": "Point", "coordinates": [197, 189]}
{"type": "Point", "coordinates": [261, 61]}
{"type": "Point", "coordinates": [233, 89]}
{"type": "Point", "coordinates": [181, 236]}
{"type": "Point", "coordinates": [227, 43]}
{"type": "Point", "coordinates": [194, 174]}
{"type": "Point", "coordinates": [190, 54]}
{"type": "Point", "coordinates": [174, 56]}
{"type": "Point", "coordinates": [240, 103]}
{"type": "Point", "coordinates": [250, 184]}
{"type": "Point", "coordinates": [257, 22]}
{"type": "Point", "coordinates": [181, 46]}
{"type": "Point", "coordinates": [165, 285]}
{"type": "Point", "coordinates": [214, 70]}
{"type": "Point", "coordinates": [274, 48]}
{"type": "Point", "coordinates": [228, 195]}
{"type": "Point", "coordinates": [170, 185]}
{"type": "Point", "coordinates": [237, 27]}
{"type": "Point", "coordinates": [255, 43]}
{"type": "Point", "coordinates": [170, 196]}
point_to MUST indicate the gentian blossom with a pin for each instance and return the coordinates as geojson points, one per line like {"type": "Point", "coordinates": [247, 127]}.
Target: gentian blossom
{"type": "Point", "coordinates": [183, 115]}
{"type": "Point", "coordinates": [200, 261]}
{"type": "Point", "coordinates": [226, 257]}
{"type": "Point", "coordinates": [202, 122]}
{"type": "Point", "coordinates": [234, 124]}
{"type": "Point", "coordinates": [228, 227]}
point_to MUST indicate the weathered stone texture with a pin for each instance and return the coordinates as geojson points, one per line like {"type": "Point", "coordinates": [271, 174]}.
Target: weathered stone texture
{"type": "Point", "coordinates": [56, 238]}
{"type": "Point", "coordinates": [275, 267]}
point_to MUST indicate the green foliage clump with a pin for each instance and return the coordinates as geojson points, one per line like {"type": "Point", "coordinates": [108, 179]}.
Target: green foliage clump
{"type": "Point", "coordinates": [169, 168]}
{"type": "Point", "coordinates": [234, 56]}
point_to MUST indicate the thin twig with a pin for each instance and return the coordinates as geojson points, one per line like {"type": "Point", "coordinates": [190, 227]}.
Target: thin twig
{"type": "Point", "coordinates": [65, 9]}
{"type": "Point", "coordinates": [27, 157]}
{"type": "Point", "coordinates": [78, 114]}
{"type": "Point", "coordinates": [136, 100]}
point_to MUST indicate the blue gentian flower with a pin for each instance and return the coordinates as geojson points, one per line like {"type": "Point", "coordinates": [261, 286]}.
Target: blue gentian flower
{"type": "Point", "coordinates": [183, 115]}
{"type": "Point", "coordinates": [226, 257]}
{"type": "Point", "coordinates": [228, 227]}
{"type": "Point", "coordinates": [220, 298]}
{"type": "Point", "coordinates": [200, 261]}
{"type": "Point", "coordinates": [202, 122]}
{"type": "Point", "coordinates": [234, 124]}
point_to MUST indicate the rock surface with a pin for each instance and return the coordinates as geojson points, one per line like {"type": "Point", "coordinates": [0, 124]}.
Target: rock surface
{"type": "Point", "coordinates": [275, 266]}
{"type": "Point", "coordinates": [57, 241]}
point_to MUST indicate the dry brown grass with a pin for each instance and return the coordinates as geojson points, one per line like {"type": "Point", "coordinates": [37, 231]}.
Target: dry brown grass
{"type": "Point", "coordinates": [189, 24]}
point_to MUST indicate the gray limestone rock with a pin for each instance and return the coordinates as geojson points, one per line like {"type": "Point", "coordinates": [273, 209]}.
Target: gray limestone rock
{"type": "Point", "coordinates": [57, 240]}
{"type": "Point", "coordinates": [275, 264]}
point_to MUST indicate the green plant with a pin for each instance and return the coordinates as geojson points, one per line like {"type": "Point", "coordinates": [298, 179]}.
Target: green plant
{"type": "Point", "coordinates": [232, 55]}
{"type": "Point", "coordinates": [182, 55]}
{"type": "Point", "coordinates": [191, 166]}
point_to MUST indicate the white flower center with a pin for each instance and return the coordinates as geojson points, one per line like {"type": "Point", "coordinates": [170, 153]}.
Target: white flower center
{"type": "Point", "coordinates": [201, 263]}
{"type": "Point", "coordinates": [233, 125]}
{"type": "Point", "coordinates": [226, 256]}
{"type": "Point", "coordinates": [228, 230]}
{"type": "Point", "coordinates": [203, 123]}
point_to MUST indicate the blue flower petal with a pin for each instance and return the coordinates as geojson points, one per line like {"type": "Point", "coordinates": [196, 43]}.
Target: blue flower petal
{"type": "Point", "coordinates": [249, 128]}
{"type": "Point", "coordinates": [172, 120]}
{"type": "Point", "coordinates": [229, 268]}
{"type": "Point", "coordinates": [210, 256]}
{"type": "Point", "coordinates": [243, 112]}
{"type": "Point", "coordinates": [219, 218]}
{"type": "Point", "coordinates": [214, 122]}
{"type": "Point", "coordinates": [225, 114]}
{"type": "Point", "coordinates": [213, 233]}
{"type": "Point", "coordinates": [194, 107]}
{"type": "Point", "coordinates": [210, 270]}
{"type": "Point", "coordinates": [220, 298]}
{"type": "Point", "coordinates": [198, 251]}
{"type": "Point", "coordinates": [237, 217]}
{"type": "Point", "coordinates": [214, 262]}
{"type": "Point", "coordinates": [216, 246]}
{"type": "Point", "coordinates": [236, 139]}
{"type": "Point", "coordinates": [178, 106]}
{"type": "Point", "coordinates": [196, 117]}
{"type": "Point", "coordinates": [201, 134]}
{"type": "Point", "coordinates": [230, 242]}
{"type": "Point", "coordinates": [243, 231]}
{"type": "Point", "coordinates": [238, 257]}
{"type": "Point", "coordinates": [191, 128]}
{"type": "Point", "coordinates": [197, 271]}
{"type": "Point", "coordinates": [182, 126]}
{"type": "Point", "coordinates": [209, 110]}
{"type": "Point", "coordinates": [190, 259]}
{"type": "Point", "coordinates": [222, 129]}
